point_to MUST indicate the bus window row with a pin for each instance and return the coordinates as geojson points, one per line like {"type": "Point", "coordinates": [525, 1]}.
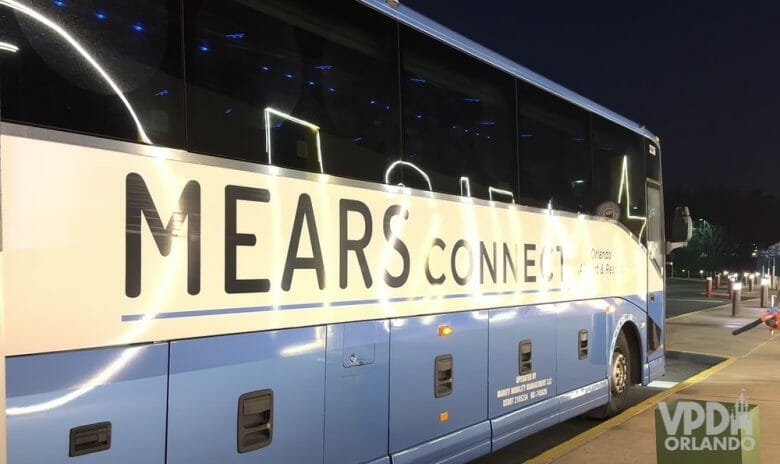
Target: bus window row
{"type": "Point", "coordinates": [331, 87]}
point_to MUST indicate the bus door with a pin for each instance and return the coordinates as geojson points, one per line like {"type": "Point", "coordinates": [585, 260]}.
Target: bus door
{"type": "Point", "coordinates": [655, 271]}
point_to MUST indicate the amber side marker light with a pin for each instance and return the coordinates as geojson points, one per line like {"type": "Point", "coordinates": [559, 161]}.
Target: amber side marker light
{"type": "Point", "coordinates": [445, 330]}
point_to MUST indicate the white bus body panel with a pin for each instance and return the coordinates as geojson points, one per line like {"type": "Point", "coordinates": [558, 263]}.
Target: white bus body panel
{"type": "Point", "coordinates": [64, 210]}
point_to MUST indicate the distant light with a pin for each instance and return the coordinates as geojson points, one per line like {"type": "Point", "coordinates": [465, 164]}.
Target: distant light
{"type": "Point", "coordinates": [138, 27]}
{"type": "Point", "coordinates": [472, 100]}
{"type": "Point", "coordinates": [466, 131]}
{"type": "Point", "coordinates": [101, 16]}
{"type": "Point", "coordinates": [331, 89]}
{"type": "Point", "coordinates": [311, 83]}
{"type": "Point", "coordinates": [228, 110]}
{"type": "Point", "coordinates": [372, 101]}
{"type": "Point", "coordinates": [489, 137]}
{"type": "Point", "coordinates": [235, 36]}
{"type": "Point", "coordinates": [289, 75]}
{"type": "Point", "coordinates": [418, 80]}
{"type": "Point", "coordinates": [578, 181]}
{"type": "Point", "coordinates": [477, 133]}
{"type": "Point", "coordinates": [418, 116]}
{"type": "Point", "coordinates": [387, 107]}
{"type": "Point", "coordinates": [162, 93]}
{"type": "Point", "coordinates": [324, 67]}
{"type": "Point", "coordinates": [204, 48]}
{"type": "Point", "coordinates": [265, 68]}
{"type": "Point", "coordinates": [454, 126]}
{"type": "Point", "coordinates": [526, 136]}
{"type": "Point", "coordinates": [59, 3]}
{"type": "Point", "coordinates": [487, 123]}
{"type": "Point", "coordinates": [579, 139]}
{"type": "Point", "coordinates": [357, 139]}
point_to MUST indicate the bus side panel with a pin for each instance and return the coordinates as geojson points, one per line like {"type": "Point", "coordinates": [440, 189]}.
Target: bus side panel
{"type": "Point", "coordinates": [263, 390]}
{"type": "Point", "coordinates": [51, 394]}
{"type": "Point", "coordinates": [582, 355]}
{"type": "Point", "coordinates": [628, 313]}
{"type": "Point", "coordinates": [416, 414]}
{"type": "Point", "coordinates": [656, 317]}
{"type": "Point", "coordinates": [528, 333]}
{"type": "Point", "coordinates": [356, 387]}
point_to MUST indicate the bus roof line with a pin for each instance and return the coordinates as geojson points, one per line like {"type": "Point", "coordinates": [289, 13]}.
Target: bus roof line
{"type": "Point", "coordinates": [421, 23]}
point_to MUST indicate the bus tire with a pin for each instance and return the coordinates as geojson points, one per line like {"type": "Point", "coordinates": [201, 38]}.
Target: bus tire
{"type": "Point", "coordinates": [620, 381]}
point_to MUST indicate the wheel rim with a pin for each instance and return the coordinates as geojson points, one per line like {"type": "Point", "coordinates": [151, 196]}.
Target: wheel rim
{"type": "Point", "coordinates": [619, 373]}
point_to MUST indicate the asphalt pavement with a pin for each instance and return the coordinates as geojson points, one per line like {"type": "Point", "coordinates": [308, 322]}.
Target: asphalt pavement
{"type": "Point", "coordinates": [688, 295]}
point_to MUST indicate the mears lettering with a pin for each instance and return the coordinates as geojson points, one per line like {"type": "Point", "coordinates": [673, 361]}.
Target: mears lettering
{"type": "Point", "coordinates": [138, 202]}
{"type": "Point", "coordinates": [536, 263]}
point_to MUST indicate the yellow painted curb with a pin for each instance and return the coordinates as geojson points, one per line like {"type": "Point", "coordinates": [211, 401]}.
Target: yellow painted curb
{"type": "Point", "coordinates": [588, 435]}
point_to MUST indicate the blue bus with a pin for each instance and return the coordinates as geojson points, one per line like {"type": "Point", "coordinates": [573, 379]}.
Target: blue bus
{"type": "Point", "coordinates": [316, 232]}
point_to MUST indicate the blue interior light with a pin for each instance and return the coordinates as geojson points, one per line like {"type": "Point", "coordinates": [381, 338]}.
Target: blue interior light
{"type": "Point", "coordinates": [228, 110]}
{"type": "Point", "coordinates": [324, 67]}
{"type": "Point", "coordinates": [101, 16]}
{"type": "Point", "coordinates": [59, 3]}
{"type": "Point", "coordinates": [162, 93]}
{"type": "Point", "coordinates": [204, 48]}
{"type": "Point", "coordinates": [331, 89]}
{"type": "Point", "coordinates": [418, 80]}
{"type": "Point", "coordinates": [311, 83]}
{"type": "Point", "coordinates": [236, 36]}
{"type": "Point", "coordinates": [138, 27]}
{"type": "Point", "coordinates": [265, 68]}
{"type": "Point", "coordinates": [357, 139]}
{"type": "Point", "coordinates": [487, 123]}
{"type": "Point", "coordinates": [472, 100]}
{"type": "Point", "coordinates": [289, 75]}
{"type": "Point", "coordinates": [526, 136]}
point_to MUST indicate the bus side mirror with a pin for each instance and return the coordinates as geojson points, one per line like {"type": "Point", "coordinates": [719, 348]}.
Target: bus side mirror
{"type": "Point", "coordinates": [682, 229]}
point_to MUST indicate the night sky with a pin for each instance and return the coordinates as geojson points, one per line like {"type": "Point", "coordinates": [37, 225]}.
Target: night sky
{"type": "Point", "coordinates": [702, 75]}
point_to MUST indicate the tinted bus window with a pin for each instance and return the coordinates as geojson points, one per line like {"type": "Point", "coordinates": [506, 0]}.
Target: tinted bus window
{"type": "Point", "coordinates": [554, 152]}
{"type": "Point", "coordinates": [48, 82]}
{"type": "Point", "coordinates": [294, 66]}
{"type": "Point", "coordinates": [619, 173]}
{"type": "Point", "coordinates": [458, 118]}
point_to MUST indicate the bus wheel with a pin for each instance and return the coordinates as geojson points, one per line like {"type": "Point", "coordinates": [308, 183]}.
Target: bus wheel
{"type": "Point", "coordinates": [619, 380]}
